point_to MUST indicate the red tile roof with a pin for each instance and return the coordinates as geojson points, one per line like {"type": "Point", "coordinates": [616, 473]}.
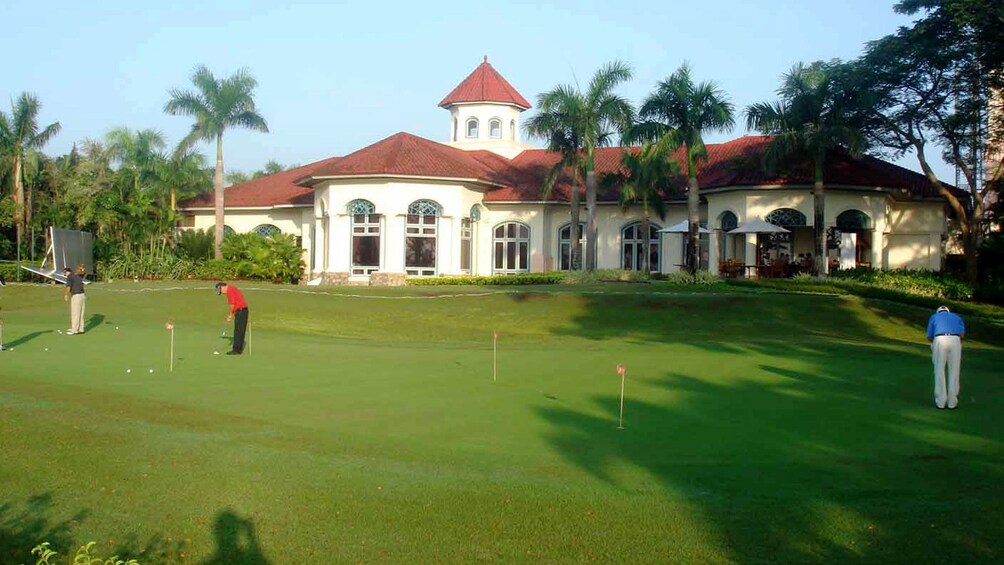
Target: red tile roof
{"type": "Point", "coordinates": [279, 189]}
{"type": "Point", "coordinates": [736, 163]}
{"type": "Point", "coordinates": [404, 154]}
{"type": "Point", "coordinates": [485, 84]}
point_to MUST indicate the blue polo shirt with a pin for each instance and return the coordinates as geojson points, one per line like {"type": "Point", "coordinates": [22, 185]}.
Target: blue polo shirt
{"type": "Point", "coordinates": [945, 323]}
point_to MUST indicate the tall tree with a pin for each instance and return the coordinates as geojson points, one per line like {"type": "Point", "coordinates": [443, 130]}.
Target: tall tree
{"type": "Point", "coordinates": [677, 114]}
{"type": "Point", "coordinates": [813, 116]}
{"type": "Point", "coordinates": [217, 105]}
{"type": "Point", "coordinates": [575, 123]}
{"type": "Point", "coordinates": [645, 179]}
{"type": "Point", "coordinates": [938, 82]}
{"type": "Point", "coordinates": [19, 133]}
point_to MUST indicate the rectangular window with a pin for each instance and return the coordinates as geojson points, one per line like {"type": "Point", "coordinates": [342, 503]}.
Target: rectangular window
{"type": "Point", "coordinates": [421, 252]}
{"type": "Point", "coordinates": [465, 245]}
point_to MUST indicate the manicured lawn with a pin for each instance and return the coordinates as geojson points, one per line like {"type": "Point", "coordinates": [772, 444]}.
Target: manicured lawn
{"type": "Point", "coordinates": [365, 427]}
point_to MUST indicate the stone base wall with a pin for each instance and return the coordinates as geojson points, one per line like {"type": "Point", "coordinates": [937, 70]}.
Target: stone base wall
{"type": "Point", "coordinates": [334, 279]}
{"type": "Point", "coordinates": [388, 279]}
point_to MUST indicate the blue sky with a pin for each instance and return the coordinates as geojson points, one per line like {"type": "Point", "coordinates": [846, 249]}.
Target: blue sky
{"type": "Point", "coordinates": [336, 76]}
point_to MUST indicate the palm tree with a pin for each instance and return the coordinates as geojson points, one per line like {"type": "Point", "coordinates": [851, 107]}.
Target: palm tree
{"type": "Point", "coordinates": [646, 176]}
{"type": "Point", "coordinates": [575, 124]}
{"type": "Point", "coordinates": [19, 134]}
{"type": "Point", "coordinates": [138, 155]}
{"type": "Point", "coordinates": [812, 117]}
{"type": "Point", "coordinates": [217, 104]}
{"type": "Point", "coordinates": [677, 114]}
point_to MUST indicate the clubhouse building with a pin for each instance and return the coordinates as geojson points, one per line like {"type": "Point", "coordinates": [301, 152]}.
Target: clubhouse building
{"type": "Point", "coordinates": [406, 206]}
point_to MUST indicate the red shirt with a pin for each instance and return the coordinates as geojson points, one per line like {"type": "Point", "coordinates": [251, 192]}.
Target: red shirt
{"type": "Point", "coordinates": [235, 298]}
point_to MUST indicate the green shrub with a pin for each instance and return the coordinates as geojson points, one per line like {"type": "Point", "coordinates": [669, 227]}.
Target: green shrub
{"type": "Point", "coordinates": [194, 244]}
{"type": "Point", "coordinates": [605, 275]}
{"type": "Point", "coordinates": [501, 280]}
{"type": "Point", "coordinates": [913, 281]}
{"type": "Point", "coordinates": [157, 265]}
{"type": "Point", "coordinates": [216, 269]}
{"type": "Point", "coordinates": [9, 271]}
{"type": "Point", "coordinates": [276, 257]}
{"type": "Point", "coordinates": [702, 278]}
{"type": "Point", "coordinates": [46, 556]}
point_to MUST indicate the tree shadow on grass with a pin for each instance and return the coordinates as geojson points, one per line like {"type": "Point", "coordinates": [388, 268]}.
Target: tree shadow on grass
{"type": "Point", "coordinates": [832, 461]}
{"type": "Point", "coordinates": [23, 526]}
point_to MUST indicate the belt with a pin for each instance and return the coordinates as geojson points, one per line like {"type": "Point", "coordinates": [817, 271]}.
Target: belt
{"type": "Point", "coordinates": [939, 335]}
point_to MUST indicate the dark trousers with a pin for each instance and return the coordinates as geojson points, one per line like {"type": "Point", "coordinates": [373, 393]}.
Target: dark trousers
{"type": "Point", "coordinates": [240, 328]}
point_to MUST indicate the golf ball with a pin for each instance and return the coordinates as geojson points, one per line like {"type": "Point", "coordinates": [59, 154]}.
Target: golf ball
{"type": "Point", "coordinates": [116, 327]}
{"type": "Point", "coordinates": [59, 331]}
{"type": "Point", "coordinates": [216, 353]}
{"type": "Point", "coordinates": [128, 370]}
{"type": "Point", "coordinates": [151, 370]}
{"type": "Point", "coordinates": [46, 348]}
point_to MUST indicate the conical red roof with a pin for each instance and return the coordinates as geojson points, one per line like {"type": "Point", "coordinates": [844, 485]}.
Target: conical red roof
{"type": "Point", "coordinates": [485, 84]}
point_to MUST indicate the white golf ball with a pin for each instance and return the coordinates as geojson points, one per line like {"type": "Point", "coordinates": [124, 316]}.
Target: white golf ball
{"type": "Point", "coordinates": [128, 370]}
{"type": "Point", "coordinates": [216, 353]}
{"type": "Point", "coordinates": [116, 327]}
{"type": "Point", "coordinates": [151, 370]}
{"type": "Point", "coordinates": [59, 332]}
{"type": "Point", "coordinates": [46, 348]}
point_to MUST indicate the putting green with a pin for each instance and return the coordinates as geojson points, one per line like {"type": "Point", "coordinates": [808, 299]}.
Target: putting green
{"type": "Point", "coordinates": [365, 426]}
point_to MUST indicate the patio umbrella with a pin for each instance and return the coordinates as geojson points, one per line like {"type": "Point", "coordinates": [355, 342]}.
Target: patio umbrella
{"type": "Point", "coordinates": [683, 227]}
{"type": "Point", "coordinates": [757, 226]}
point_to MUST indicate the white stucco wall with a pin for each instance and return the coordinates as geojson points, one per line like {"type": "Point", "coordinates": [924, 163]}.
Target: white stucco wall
{"type": "Point", "coordinates": [905, 234]}
{"type": "Point", "coordinates": [508, 145]}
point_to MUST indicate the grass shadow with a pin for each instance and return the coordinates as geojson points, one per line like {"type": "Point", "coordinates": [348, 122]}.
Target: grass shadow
{"type": "Point", "coordinates": [236, 541]}
{"type": "Point", "coordinates": [834, 461]}
{"type": "Point", "coordinates": [23, 526]}
{"type": "Point", "coordinates": [25, 338]}
{"type": "Point", "coordinates": [93, 322]}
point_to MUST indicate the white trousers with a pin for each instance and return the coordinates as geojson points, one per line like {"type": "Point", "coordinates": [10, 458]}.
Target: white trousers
{"type": "Point", "coordinates": [946, 350]}
{"type": "Point", "coordinates": [77, 302]}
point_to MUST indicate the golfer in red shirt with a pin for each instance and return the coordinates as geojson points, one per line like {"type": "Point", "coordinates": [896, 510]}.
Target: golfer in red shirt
{"type": "Point", "coordinates": [238, 313]}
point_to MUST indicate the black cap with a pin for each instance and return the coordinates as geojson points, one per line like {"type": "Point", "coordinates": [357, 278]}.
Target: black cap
{"type": "Point", "coordinates": [67, 270]}
{"type": "Point", "coordinates": [219, 285]}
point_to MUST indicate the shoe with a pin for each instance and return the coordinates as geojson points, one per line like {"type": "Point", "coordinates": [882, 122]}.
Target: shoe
{"type": "Point", "coordinates": [233, 352]}
{"type": "Point", "coordinates": [70, 332]}
{"type": "Point", "coordinates": [939, 406]}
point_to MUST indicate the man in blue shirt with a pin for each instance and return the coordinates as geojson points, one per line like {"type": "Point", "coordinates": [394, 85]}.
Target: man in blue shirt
{"type": "Point", "coordinates": [945, 331]}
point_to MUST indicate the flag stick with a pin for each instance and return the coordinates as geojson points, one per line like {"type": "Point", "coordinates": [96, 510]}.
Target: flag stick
{"type": "Point", "coordinates": [495, 355]}
{"type": "Point", "coordinates": [249, 336]}
{"type": "Point", "coordinates": [172, 349]}
{"type": "Point", "coordinates": [622, 371]}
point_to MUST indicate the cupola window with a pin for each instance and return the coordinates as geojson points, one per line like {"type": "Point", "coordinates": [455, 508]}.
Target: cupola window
{"type": "Point", "coordinates": [472, 128]}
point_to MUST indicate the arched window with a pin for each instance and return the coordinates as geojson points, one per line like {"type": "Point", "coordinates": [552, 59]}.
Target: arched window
{"type": "Point", "coordinates": [366, 233]}
{"type": "Point", "coordinates": [512, 248]}
{"type": "Point", "coordinates": [421, 234]}
{"type": "Point", "coordinates": [455, 125]}
{"type": "Point", "coordinates": [472, 127]}
{"type": "Point", "coordinates": [633, 247]}
{"type": "Point", "coordinates": [495, 128]}
{"type": "Point", "coordinates": [266, 230]}
{"type": "Point", "coordinates": [565, 246]}
{"type": "Point", "coordinates": [512, 130]}
{"type": "Point", "coordinates": [227, 230]}
{"type": "Point", "coordinates": [786, 218]}
{"type": "Point", "coordinates": [852, 221]}
{"type": "Point", "coordinates": [475, 213]}
{"type": "Point", "coordinates": [727, 222]}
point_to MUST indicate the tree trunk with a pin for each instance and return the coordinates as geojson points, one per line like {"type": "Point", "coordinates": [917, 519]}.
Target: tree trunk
{"type": "Point", "coordinates": [693, 225]}
{"type": "Point", "coordinates": [818, 220]}
{"type": "Point", "coordinates": [18, 201]}
{"type": "Point", "coordinates": [218, 189]}
{"type": "Point", "coordinates": [590, 220]}
{"type": "Point", "coordinates": [969, 223]}
{"type": "Point", "coordinates": [574, 249]}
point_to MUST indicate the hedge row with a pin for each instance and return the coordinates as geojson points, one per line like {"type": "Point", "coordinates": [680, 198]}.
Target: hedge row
{"type": "Point", "coordinates": [913, 281]}
{"type": "Point", "coordinates": [518, 279]}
